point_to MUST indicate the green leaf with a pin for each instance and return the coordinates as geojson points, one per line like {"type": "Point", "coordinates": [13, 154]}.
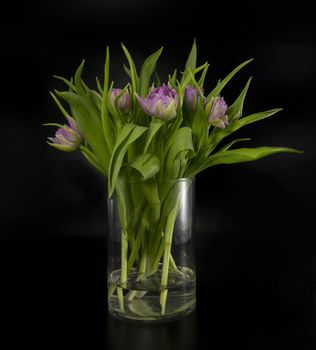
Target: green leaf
{"type": "Point", "coordinates": [89, 124]}
{"type": "Point", "coordinates": [235, 110]}
{"type": "Point", "coordinates": [107, 128]}
{"type": "Point", "coordinates": [60, 106]}
{"type": "Point", "coordinates": [53, 124]}
{"type": "Point", "coordinates": [67, 82]}
{"type": "Point", "coordinates": [200, 128]}
{"type": "Point", "coordinates": [216, 91]}
{"type": "Point", "coordinates": [146, 72]}
{"type": "Point", "coordinates": [151, 191]}
{"type": "Point", "coordinates": [128, 134]}
{"type": "Point", "coordinates": [127, 71]}
{"type": "Point", "coordinates": [226, 147]}
{"type": "Point", "coordinates": [200, 125]}
{"type": "Point", "coordinates": [191, 74]}
{"type": "Point", "coordinates": [242, 155]}
{"type": "Point", "coordinates": [181, 142]}
{"type": "Point", "coordinates": [154, 126]}
{"type": "Point", "coordinates": [203, 75]}
{"type": "Point", "coordinates": [94, 96]}
{"type": "Point", "coordinates": [147, 165]}
{"type": "Point", "coordinates": [218, 135]}
{"type": "Point", "coordinates": [63, 148]}
{"type": "Point", "coordinates": [124, 199]}
{"type": "Point", "coordinates": [254, 118]}
{"type": "Point", "coordinates": [92, 159]}
{"type": "Point", "coordinates": [100, 89]}
{"type": "Point", "coordinates": [172, 79]}
{"type": "Point", "coordinates": [133, 71]}
{"type": "Point", "coordinates": [191, 62]}
{"type": "Point", "coordinates": [78, 83]}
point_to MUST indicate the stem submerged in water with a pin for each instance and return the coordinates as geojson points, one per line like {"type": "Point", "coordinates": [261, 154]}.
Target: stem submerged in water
{"type": "Point", "coordinates": [124, 250]}
{"type": "Point", "coordinates": [146, 242]}
{"type": "Point", "coordinates": [166, 258]}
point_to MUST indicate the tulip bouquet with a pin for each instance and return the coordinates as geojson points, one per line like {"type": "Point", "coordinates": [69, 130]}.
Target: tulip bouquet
{"type": "Point", "coordinates": [147, 132]}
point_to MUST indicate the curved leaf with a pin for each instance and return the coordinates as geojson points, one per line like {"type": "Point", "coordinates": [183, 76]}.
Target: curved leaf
{"type": "Point", "coordinates": [217, 135]}
{"type": "Point", "coordinates": [235, 110]}
{"type": "Point", "coordinates": [226, 147]}
{"type": "Point", "coordinates": [242, 155]}
{"type": "Point", "coordinates": [67, 82]}
{"type": "Point", "coordinates": [216, 91]}
{"type": "Point", "coordinates": [92, 159]}
{"type": "Point", "coordinates": [89, 124]}
{"type": "Point", "coordinates": [191, 62]}
{"type": "Point", "coordinates": [181, 142]}
{"type": "Point", "coordinates": [78, 84]}
{"type": "Point", "coordinates": [203, 75]}
{"type": "Point", "coordinates": [146, 72]}
{"type": "Point", "coordinates": [106, 125]}
{"type": "Point", "coordinates": [133, 71]}
{"type": "Point", "coordinates": [147, 165]}
{"type": "Point", "coordinates": [128, 134]}
{"type": "Point", "coordinates": [154, 126]}
{"type": "Point", "coordinates": [60, 106]}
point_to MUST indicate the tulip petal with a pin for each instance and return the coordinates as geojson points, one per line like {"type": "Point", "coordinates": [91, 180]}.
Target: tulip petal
{"type": "Point", "coordinates": [161, 102]}
{"type": "Point", "coordinates": [143, 104]}
{"type": "Point", "coordinates": [169, 112]}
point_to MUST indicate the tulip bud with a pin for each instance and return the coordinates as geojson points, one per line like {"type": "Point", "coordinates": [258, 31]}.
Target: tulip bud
{"type": "Point", "coordinates": [67, 138]}
{"type": "Point", "coordinates": [124, 103]}
{"type": "Point", "coordinates": [216, 109]}
{"type": "Point", "coordinates": [162, 102]}
{"type": "Point", "coordinates": [191, 98]}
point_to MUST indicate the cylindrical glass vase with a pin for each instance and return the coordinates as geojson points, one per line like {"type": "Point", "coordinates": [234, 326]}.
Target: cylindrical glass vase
{"type": "Point", "coordinates": [151, 262]}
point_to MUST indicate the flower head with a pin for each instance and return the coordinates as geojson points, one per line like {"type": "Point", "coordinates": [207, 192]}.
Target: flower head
{"type": "Point", "coordinates": [162, 102]}
{"type": "Point", "coordinates": [124, 103]}
{"type": "Point", "coordinates": [67, 138]}
{"type": "Point", "coordinates": [191, 98]}
{"type": "Point", "coordinates": [216, 109]}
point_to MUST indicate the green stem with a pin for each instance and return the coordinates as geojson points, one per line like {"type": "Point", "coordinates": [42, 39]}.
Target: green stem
{"type": "Point", "coordinates": [124, 249]}
{"type": "Point", "coordinates": [141, 271]}
{"type": "Point", "coordinates": [166, 258]}
{"type": "Point", "coordinates": [120, 298]}
{"type": "Point", "coordinates": [155, 245]}
{"type": "Point", "coordinates": [174, 266]}
{"type": "Point", "coordinates": [158, 256]}
{"type": "Point", "coordinates": [136, 247]}
{"type": "Point", "coordinates": [143, 260]}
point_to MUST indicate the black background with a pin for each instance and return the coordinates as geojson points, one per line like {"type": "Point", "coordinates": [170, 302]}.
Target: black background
{"type": "Point", "coordinates": [256, 253]}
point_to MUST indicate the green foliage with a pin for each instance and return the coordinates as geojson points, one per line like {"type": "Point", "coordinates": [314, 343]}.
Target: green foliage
{"type": "Point", "coordinates": [129, 134]}
{"type": "Point", "coordinates": [149, 148]}
{"type": "Point", "coordinates": [143, 156]}
{"type": "Point", "coordinates": [241, 155]}
{"type": "Point", "coordinates": [219, 87]}
{"type": "Point", "coordinates": [191, 62]}
{"type": "Point", "coordinates": [146, 72]}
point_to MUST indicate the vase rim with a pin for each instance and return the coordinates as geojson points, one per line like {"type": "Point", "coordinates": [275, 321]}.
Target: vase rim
{"type": "Point", "coordinates": [181, 179]}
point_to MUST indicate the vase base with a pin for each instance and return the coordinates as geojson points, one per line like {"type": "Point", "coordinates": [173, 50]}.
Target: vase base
{"type": "Point", "coordinates": [151, 320]}
{"type": "Point", "coordinates": [143, 300]}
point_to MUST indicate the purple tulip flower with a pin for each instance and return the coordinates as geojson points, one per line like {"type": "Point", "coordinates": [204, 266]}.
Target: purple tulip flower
{"type": "Point", "coordinates": [162, 102]}
{"type": "Point", "coordinates": [67, 138]}
{"type": "Point", "coordinates": [216, 109]}
{"type": "Point", "coordinates": [191, 98]}
{"type": "Point", "coordinates": [124, 103]}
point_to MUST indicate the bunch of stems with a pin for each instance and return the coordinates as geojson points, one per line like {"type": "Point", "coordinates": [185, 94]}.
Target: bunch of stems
{"type": "Point", "coordinates": [147, 231]}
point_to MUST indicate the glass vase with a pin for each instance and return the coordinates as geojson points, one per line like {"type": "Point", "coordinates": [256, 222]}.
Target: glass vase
{"type": "Point", "coordinates": [151, 263]}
